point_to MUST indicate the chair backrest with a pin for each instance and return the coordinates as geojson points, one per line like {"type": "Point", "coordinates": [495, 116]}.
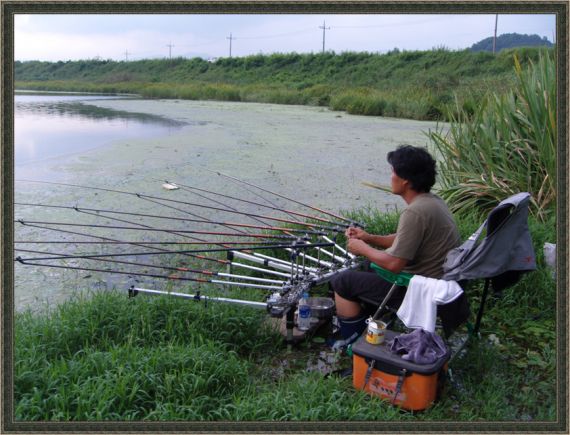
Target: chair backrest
{"type": "Point", "coordinates": [503, 254]}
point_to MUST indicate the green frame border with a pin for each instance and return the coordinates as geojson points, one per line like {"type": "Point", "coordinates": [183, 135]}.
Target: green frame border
{"type": "Point", "coordinates": [7, 11]}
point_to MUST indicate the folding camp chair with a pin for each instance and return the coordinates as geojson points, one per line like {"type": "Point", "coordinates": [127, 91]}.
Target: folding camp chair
{"type": "Point", "coordinates": [451, 315]}
{"type": "Point", "coordinates": [500, 258]}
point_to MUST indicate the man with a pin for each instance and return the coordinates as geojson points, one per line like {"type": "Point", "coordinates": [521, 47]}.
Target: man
{"type": "Point", "coordinates": [426, 232]}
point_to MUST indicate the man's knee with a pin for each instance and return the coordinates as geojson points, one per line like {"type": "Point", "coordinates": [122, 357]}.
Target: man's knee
{"type": "Point", "coordinates": [346, 307]}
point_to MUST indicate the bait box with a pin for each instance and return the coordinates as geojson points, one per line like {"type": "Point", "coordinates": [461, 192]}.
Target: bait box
{"type": "Point", "coordinates": [382, 373]}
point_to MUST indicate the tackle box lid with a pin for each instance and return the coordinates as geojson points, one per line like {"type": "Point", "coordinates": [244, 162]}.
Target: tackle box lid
{"type": "Point", "coordinates": [390, 360]}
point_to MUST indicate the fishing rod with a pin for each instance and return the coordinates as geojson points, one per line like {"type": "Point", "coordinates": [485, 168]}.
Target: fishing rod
{"type": "Point", "coordinates": [284, 230]}
{"type": "Point", "coordinates": [148, 198]}
{"type": "Point", "coordinates": [130, 193]}
{"type": "Point", "coordinates": [104, 190]}
{"type": "Point", "coordinates": [133, 291]}
{"type": "Point", "coordinates": [189, 189]}
{"type": "Point", "coordinates": [200, 257]}
{"type": "Point", "coordinates": [130, 254]}
{"type": "Point", "coordinates": [225, 206]}
{"type": "Point", "coordinates": [224, 244]}
{"type": "Point", "coordinates": [144, 196]}
{"type": "Point", "coordinates": [91, 242]}
{"type": "Point", "coordinates": [184, 211]}
{"type": "Point", "coordinates": [226, 210]}
{"type": "Point", "coordinates": [255, 194]}
{"type": "Point", "coordinates": [219, 244]}
{"type": "Point", "coordinates": [350, 222]}
{"type": "Point", "coordinates": [229, 265]}
{"type": "Point", "coordinates": [217, 233]}
{"type": "Point", "coordinates": [288, 267]}
{"type": "Point", "coordinates": [274, 263]}
{"type": "Point", "coordinates": [303, 254]}
{"type": "Point", "coordinates": [258, 269]}
{"type": "Point", "coordinates": [232, 224]}
{"type": "Point", "coordinates": [289, 212]}
{"type": "Point", "coordinates": [150, 275]}
{"type": "Point", "coordinates": [145, 245]}
{"type": "Point", "coordinates": [176, 269]}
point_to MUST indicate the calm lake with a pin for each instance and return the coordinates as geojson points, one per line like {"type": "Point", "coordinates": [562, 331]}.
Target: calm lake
{"type": "Point", "coordinates": [115, 147]}
{"type": "Point", "coordinates": [49, 127]}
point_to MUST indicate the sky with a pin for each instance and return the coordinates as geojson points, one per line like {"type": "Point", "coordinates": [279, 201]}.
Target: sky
{"type": "Point", "coordinates": [133, 37]}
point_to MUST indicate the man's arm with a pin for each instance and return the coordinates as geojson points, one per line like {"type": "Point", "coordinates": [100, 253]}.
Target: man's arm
{"type": "Point", "coordinates": [372, 239]}
{"type": "Point", "coordinates": [383, 242]}
{"type": "Point", "coordinates": [381, 258]}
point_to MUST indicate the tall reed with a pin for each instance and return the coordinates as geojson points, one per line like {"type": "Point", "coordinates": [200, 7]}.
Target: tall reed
{"type": "Point", "coordinates": [507, 145]}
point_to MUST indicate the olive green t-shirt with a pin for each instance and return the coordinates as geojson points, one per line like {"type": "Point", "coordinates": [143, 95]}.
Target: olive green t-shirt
{"type": "Point", "coordinates": [426, 233]}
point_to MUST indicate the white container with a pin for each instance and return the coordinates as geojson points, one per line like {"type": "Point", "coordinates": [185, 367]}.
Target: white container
{"type": "Point", "coordinates": [375, 333]}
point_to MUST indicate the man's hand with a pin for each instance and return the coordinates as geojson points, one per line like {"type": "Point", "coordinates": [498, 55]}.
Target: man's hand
{"type": "Point", "coordinates": [381, 258]}
{"type": "Point", "coordinates": [356, 246]}
{"type": "Point", "coordinates": [355, 233]}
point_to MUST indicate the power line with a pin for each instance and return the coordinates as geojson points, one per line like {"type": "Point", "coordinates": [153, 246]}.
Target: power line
{"type": "Point", "coordinates": [397, 24]}
{"type": "Point", "coordinates": [280, 35]}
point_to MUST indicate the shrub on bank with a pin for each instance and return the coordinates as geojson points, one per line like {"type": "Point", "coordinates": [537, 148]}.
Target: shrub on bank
{"type": "Point", "coordinates": [507, 145]}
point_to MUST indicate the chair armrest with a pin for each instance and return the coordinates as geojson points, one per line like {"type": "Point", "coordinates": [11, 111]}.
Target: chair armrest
{"type": "Point", "coordinates": [401, 279]}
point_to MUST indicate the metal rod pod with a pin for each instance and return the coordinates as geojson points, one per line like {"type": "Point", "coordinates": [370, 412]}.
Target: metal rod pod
{"type": "Point", "coordinates": [197, 297]}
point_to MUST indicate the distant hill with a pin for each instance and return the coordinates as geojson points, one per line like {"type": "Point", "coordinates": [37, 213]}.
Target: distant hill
{"type": "Point", "coordinates": [511, 40]}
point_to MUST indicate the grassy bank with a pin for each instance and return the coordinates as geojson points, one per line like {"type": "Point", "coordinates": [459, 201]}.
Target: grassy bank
{"type": "Point", "coordinates": [115, 358]}
{"type": "Point", "coordinates": [425, 85]}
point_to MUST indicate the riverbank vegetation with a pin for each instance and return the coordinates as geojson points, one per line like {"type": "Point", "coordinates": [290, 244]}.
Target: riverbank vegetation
{"type": "Point", "coordinates": [507, 145]}
{"type": "Point", "coordinates": [115, 358]}
{"type": "Point", "coordinates": [424, 85]}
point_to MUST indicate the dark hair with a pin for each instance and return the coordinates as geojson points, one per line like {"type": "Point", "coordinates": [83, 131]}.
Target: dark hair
{"type": "Point", "coordinates": [414, 164]}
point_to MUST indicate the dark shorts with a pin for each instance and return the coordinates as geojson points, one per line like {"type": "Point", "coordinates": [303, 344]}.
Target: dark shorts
{"type": "Point", "coordinates": [366, 287]}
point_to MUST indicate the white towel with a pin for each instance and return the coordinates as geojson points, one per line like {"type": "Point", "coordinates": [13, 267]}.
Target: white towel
{"type": "Point", "coordinates": [419, 307]}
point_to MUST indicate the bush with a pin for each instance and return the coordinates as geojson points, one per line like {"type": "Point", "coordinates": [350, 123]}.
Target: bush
{"type": "Point", "coordinates": [506, 145]}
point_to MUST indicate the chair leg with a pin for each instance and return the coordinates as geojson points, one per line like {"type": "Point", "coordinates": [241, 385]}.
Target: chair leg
{"type": "Point", "coordinates": [383, 303]}
{"type": "Point", "coordinates": [481, 307]}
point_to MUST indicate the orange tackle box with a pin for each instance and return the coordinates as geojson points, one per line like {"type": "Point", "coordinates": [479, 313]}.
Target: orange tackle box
{"type": "Point", "coordinates": [380, 372]}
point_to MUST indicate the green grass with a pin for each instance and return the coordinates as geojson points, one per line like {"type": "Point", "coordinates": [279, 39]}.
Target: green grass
{"type": "Point", "coordinates": [416, 85]}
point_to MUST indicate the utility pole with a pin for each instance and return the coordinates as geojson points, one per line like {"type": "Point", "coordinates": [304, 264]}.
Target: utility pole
{"type": "Point", "coordinates": [495, 37]}
{"type": "Point", "coordinates": [126, 55]}
{"type": "Point", "coordinates": [230, 38]}
{"type": "Point", "coordinates": [324, 29]}
{"type": "Point", "coordinates": [170, 50]}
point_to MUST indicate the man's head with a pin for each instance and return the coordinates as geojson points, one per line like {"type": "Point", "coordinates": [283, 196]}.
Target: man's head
{"type": "Point", "coordinates": [415, 165]}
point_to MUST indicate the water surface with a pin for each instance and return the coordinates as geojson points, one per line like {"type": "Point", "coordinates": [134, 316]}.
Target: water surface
{"type": "Point", "coordinates": [48, 127]}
